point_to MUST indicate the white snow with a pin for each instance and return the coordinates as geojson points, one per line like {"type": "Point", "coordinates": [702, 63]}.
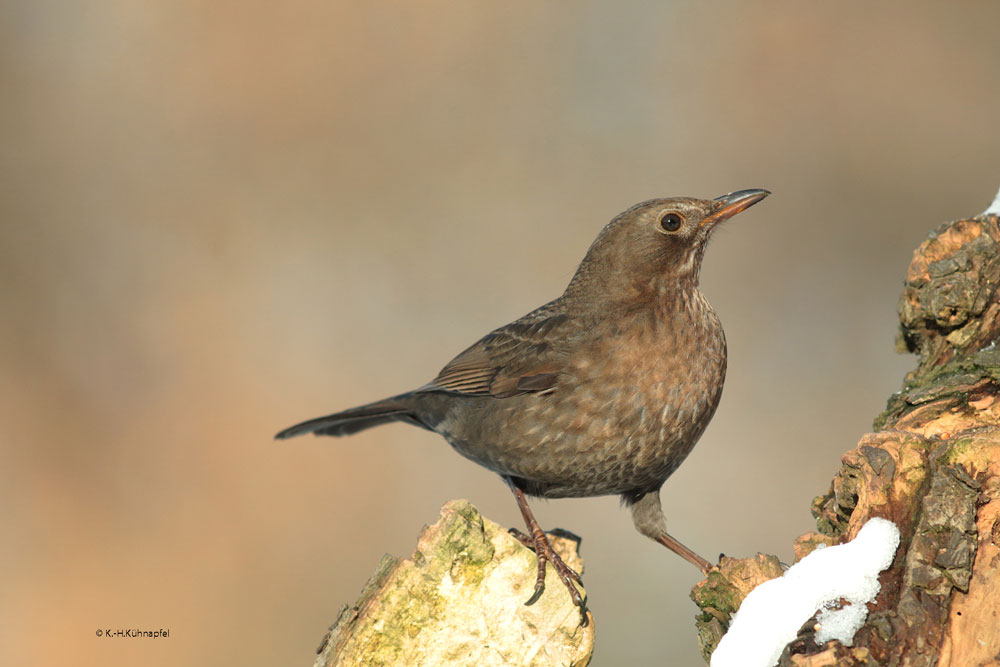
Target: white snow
{"type": "Point", "coordinates": [771, 615]}
{"type": "Point", "coordinates": [994, 208]}
{"type": "Point", "coordinates": [841, 621]}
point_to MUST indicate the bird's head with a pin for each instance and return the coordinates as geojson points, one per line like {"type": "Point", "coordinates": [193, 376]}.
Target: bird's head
{"type": "Point", "coordinates": [657, 245]}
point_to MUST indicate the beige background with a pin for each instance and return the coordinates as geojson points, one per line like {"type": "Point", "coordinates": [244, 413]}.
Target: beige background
{"type": "Point", "coordinates": [219, 218]}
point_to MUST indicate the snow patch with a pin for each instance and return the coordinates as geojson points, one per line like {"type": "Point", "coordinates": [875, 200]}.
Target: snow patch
{"type": "Point", "coordinates": [994, 208]}
{"type": "Point", "coordinates": [771, 615]}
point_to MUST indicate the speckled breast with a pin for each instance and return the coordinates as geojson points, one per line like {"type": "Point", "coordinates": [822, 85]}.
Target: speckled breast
{"type": "Point", "coordinates": [625, 413]}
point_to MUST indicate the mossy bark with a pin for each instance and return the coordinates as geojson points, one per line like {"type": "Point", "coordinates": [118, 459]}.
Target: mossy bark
{"type": "Point", "coordinates": [459, 600]}
{"type": "Point", "coordinates": [932, 466]}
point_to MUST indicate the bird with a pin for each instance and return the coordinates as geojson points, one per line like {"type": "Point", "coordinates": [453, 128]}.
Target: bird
{"type": "Point", "coordinates": [602, 391]}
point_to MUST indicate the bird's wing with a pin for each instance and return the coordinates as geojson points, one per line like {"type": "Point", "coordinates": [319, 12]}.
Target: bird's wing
{"type": "Point", "coordinates": [524, 356]}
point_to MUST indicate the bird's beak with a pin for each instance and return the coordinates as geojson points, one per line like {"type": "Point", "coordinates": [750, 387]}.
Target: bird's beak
{"type": "Point", "coordinates": [731, 204]}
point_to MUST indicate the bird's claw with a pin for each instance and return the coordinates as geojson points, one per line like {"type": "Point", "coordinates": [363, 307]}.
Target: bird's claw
{"type": "Point", "coordinates": [544, 553]}
{"type": "Point", "coordinates": [522, 538]}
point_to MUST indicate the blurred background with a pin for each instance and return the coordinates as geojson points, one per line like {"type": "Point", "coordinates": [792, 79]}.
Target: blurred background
{"type": "Point", "coordinates": [221, 218]}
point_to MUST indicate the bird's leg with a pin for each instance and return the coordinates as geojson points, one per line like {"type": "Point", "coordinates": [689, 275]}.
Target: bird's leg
{"type": "Point", "coordinates": [669, 542]}
{"type": "Point", "coordinates": [649, 520]}
{"type": "Point", "coordinates": [544, 553]}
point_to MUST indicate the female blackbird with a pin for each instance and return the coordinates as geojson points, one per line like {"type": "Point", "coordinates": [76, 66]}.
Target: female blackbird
{"type": "Point", "coordinates": [603, 391]}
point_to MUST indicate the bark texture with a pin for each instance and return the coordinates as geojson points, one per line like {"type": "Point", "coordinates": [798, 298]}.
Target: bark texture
{"type": "Point", "coordinates": [459, 600]}
{"type": "Point", "coordinates": [932, 466]}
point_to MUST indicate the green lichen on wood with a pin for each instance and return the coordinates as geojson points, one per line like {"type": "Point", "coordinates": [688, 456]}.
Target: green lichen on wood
{"type": "Point", "coordinates": [947, 317]}
{"type": "Point", "coordinates": [955, 382]}
{"type": "Point", "coordinates": [721, 593]}
{"type": "Point", "coordinates": [459, 600]}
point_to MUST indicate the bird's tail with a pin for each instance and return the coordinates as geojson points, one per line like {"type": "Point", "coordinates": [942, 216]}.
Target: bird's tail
{"type": "Point", "coordinates": [357, 419]}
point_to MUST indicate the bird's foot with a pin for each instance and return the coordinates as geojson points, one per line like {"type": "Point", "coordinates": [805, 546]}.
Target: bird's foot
{"type": "Point", "coordinates": [530, 543]}
{"type": "Point", "coordinates": [544, 553]}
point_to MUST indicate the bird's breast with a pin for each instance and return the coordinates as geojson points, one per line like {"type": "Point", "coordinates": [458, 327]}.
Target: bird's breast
{"type": "Point", "coordinates": [657, 378]}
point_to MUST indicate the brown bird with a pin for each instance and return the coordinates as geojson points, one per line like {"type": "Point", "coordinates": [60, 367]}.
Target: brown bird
{"type": "Point", "coordinates": [603, 391]}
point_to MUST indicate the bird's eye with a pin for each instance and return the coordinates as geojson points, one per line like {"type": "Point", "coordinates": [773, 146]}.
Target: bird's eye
{"type": "Point", "coordinates": [671, 222]}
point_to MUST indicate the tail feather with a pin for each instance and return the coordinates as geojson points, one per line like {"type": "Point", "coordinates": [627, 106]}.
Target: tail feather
{"type": "Point", "coordinates": [355, 419]}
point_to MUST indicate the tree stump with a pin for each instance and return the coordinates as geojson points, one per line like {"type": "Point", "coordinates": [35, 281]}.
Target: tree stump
{"type": "Point", "coordinates": [459, 600]}
{"type": "Point", "coordinates": [932, 466]}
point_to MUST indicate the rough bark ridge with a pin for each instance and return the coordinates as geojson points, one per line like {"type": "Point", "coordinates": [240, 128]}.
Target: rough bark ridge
{"type": "Point", "coordinates": [932, 466]}
{"type": "Point", "coordinates": [459, 600]}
